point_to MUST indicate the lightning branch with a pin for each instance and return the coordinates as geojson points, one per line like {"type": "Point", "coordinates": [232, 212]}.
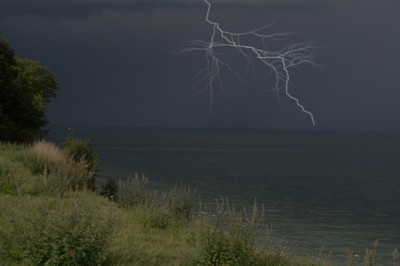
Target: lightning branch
{"type": "Point", "coordinates": [280, 61]}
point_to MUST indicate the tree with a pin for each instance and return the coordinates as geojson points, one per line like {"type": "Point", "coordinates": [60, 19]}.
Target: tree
{"type": "Point", "coordinates": [8, 74]}
{"type": "Point", "coordinates": [26, 88]}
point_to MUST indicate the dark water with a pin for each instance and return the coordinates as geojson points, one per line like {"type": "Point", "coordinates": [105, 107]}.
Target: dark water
{"type": "Point", "coordinates": [332, 189]}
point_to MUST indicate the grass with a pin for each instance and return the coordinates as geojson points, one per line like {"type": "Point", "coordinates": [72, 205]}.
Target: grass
{"type": "Point", "coordinates": [134, 243]}
{"type": "Point", "coordinates": [46, 230]}
{"type": "Point", "coordinates": [49, 215]}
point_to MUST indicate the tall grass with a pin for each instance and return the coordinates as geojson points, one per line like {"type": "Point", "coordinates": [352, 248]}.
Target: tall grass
{"type": "Point", "coordinates": [161, 209]}
{"type": "Point", "coordinates": [395, 257]}
{"type": "Point", "coordinates": [42, 168]}
{"type": "Point", "coordinates": [229, 236]}
{"type": "Point", "coordinates": [14, 177]}
{"type": "Point", "coordinates": [53, 231]}
{"type": "Point", "coordinates": [134, 191]}
{"type": "Point", "coordinates": [52, 162]}
{"type": "Point", "coordinates": [136, 243]}
{"type": "Point", "coordinates": [81, 152]}
{"type": "Point", "coordinates": [370, 257]}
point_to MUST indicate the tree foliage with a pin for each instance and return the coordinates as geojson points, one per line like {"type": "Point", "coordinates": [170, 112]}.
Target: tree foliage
{"type": "Point", "coordinates": [26, 88]}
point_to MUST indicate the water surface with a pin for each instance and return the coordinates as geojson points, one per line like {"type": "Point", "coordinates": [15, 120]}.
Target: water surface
{"type": "Point", "coordinates": [335, 190]}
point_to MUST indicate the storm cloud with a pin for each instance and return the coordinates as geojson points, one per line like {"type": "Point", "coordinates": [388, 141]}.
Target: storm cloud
{"type": "Point", "coordinates": [114, 63]}
{"type": "Point", "coordinates": [83, 8]}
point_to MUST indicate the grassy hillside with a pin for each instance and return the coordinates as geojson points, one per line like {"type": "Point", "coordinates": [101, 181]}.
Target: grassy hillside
{"type": "Point", "coordinates": [50, 215]}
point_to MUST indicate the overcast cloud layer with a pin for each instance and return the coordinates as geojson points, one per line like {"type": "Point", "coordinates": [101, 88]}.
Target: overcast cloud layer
{"type": "Point", "coordinates": [66, 8]}
{"type": "Point", "coordinates": [113, 62]}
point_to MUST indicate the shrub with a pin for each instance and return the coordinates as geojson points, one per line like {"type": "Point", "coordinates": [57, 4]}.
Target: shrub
{"type": "Point", "coordinates": [180, 201]}
{"type": "Point", "coordinates": [133, 191]}
{"type": "Point", "coordinates": [228, 236]}
{"type": "Point", "coordinates": [109, 189]}
{"type": "Point", "coordinates": [14, 177]}
{"type": "Point", "coordinates": [7, 184]}
{"type": "Point", "coordinates": [157, 217]}
{"type": "Point", "coordinates": [370, 256]}
{"type": "Point", "coordinates": [46, 231]}
{"type": "Point", "coordinates": [82, 152]}
{"type": "Point", "coordinates": [161, 209]}
{"type": "Point", "coordinates": [52, 172]}
{"type": "Point", "coordinates": [395, 257]}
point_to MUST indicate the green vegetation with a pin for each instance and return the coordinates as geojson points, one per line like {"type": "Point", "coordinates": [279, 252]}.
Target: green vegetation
{"type": "Point", "coordinates": [80, 151]}
{"type": "Point", "coordinates": [43, 230]}
{"type": "Point", "coordinates": [49, 215]}
{"type": "Point", "coordinates": [25, 89]}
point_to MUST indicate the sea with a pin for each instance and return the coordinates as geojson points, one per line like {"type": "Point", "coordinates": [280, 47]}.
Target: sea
{"type": "Point", "coordinates": [324, 192]}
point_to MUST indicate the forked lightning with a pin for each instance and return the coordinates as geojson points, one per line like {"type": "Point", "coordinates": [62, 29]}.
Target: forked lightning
{"type": "Point", "coordinates": [279, 61]}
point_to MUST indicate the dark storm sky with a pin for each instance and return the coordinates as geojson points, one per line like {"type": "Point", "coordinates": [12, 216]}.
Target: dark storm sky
{"type": "Point", "coordinates": [113, 62]}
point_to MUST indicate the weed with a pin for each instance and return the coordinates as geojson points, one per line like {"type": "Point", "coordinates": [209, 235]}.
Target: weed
{"type": "Point", "coordinates": [81, 152]}
{"type": "Point", "coordinates": [228, 236]}
{"type": "Point", "coordinates": [134, 191]}
{"type": "Point", "coordinates": [161, 209]}
{"type": "Point", "coordinates": [395, 257]}
{"type": "Point", "coordinates": [370, 257]}
{"type": "Point", "coordinates": [46, 231]}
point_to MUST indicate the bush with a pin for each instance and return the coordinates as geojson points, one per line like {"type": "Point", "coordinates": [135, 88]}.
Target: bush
{"type": "Point", "coordinates": [14, 177]}
{"type": "Point", "coordinates": [161, 210]}
{"type": "Point", "coordinates": [7, 184]}
{"type": "Point", "coordinates": [133, 191]}
{"type": "Point", "coordinates": [179, 201]}
{"type": "Point", "coordinates": [51, 171]}
{"type": "Point", "coordinates": [81, 151]}
{"type": "Point", "coordinates": [156, 217]}
{"type": "Point", "coordinates": [46, 231]}
{"type": "Point", "coordinates": [228, 236]}
{"type": "Point", "coordinates": [370, 257]}
{"type": "Point", "coordinates": [109, 189]}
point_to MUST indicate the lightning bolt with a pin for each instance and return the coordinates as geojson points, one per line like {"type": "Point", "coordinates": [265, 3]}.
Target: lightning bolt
{"type": "Point", "coordinates": [280, 61]}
